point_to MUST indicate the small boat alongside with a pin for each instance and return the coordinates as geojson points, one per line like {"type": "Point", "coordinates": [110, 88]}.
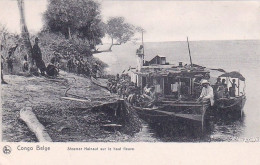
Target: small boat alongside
{"type": "Point", "coordinates": [234, 103]}
{"type": "Point", "coordinates": [233, 100]}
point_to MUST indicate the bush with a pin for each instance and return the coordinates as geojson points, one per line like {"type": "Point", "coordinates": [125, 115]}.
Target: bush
{"type": "Point", "coordinates": [8, 41]}
{"type": "Point", "coordinates": [68, 48]}
{"type": "Point", "coordinates": [50, 43]}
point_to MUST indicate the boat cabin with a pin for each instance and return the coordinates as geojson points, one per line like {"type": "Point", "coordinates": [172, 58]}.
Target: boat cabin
{"type": "Point", "coordinates": [157, 60]}
{"type": "Point", "coordinates": [171, 81]}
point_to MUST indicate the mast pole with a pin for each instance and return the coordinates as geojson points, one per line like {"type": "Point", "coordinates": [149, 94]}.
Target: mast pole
{"type": "Point", "coordinates": [189, 52]}
{"type": "Point", "coordinates": [143, 44]}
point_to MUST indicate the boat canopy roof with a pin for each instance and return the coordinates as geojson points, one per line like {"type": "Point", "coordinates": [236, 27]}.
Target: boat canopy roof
{"type": "Point", "coordinates": [174, 72]}
{"type": "Point", "coordinates": [233, 74]}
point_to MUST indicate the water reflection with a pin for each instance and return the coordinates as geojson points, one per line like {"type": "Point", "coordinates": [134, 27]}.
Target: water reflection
{"type": "Point", "coordinates": [227, 129]}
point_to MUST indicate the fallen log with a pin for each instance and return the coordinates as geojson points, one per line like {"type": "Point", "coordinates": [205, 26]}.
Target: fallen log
{"type": "Point", "coordinates": [27, 115]}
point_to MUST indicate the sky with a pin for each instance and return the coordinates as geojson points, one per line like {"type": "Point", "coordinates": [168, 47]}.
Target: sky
{"type": "Point", "coordinates": [163, 21]}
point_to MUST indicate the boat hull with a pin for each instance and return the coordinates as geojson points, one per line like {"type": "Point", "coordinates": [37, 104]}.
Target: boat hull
{"type": "Point", "coordinates": [171, 112]}
{"type": "Point", "coordinates": [230, 106]}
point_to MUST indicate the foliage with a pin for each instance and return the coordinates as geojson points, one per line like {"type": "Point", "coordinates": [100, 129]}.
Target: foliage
{"type": "Point", "coordinates": [140, 29]}
{"type": "Point", "coordinates": [56, 42]}
{"type": "Point", "coordinates": [75, 47]}
{"type": "Point", "coordinates": [75, 17]}
{"type": "Point", "coordinates": [119, 30]}
{"type": "Point", "coordinates": [9, 40]}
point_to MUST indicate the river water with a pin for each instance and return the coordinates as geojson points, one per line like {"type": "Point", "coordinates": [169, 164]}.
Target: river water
{"type": "Point", "coordinates": [242, 56]}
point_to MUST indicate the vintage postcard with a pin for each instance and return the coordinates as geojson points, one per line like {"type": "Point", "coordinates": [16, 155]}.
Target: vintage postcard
{"type": "Point", "coordinates": [138, 82]}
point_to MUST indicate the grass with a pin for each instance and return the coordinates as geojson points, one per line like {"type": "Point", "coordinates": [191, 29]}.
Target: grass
{"type": "Point", "coordinates": [64, 120]}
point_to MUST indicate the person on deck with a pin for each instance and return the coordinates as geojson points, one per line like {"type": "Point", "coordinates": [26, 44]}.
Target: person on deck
{"type": "Point", "coordinates": [37, 57]}
{"type": "Point", "coordinates": [224, 83]}
{"type": "Point", "coordinates": [146, 89]}
{"type": "Point", "coordinates": [152, 97]}
{"type": "Point", "coordinates": [219, 90]}
{"type": "Point", "coordinates": [233, 88]}
{"type": "Point", "coordinates": [206, 93]}
{"type": "Point", "coordinates": [218, 83]}
{"type": "Point", "coordinates": [140, 50]}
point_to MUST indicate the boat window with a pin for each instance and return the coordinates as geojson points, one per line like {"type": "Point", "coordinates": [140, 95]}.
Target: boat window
{"type": "Point", "coordinates": [185, 86]}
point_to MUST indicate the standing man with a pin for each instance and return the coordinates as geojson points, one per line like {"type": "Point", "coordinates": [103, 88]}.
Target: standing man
{"type": "Point", "coordinates": [9, 61]}
{"type": "Point", "coordinates": [233, 88]}
{"type": "Point", "coordinates": [70, 64]}
{"type": "Point", "coordinates": [37, 57]}
{"type": "Point", "coordinates": [2, 67]}
{"type": "Point", "coordinates": [25, 67]}
{"type": "Point", "coordinates": [218, 83]}
{"type": "Point", "coordinates": [223, 82]}
{"type": "Point", "coordinates": [206, 93]}
{"type": "Point", "coordinates": [10, 58]}
{"type": "Point", "coordinates": [95, 70]}
{"type": "Point", "coordinates": [140, 50]}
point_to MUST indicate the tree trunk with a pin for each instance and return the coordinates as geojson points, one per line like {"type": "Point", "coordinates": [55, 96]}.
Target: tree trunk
{"type": "Point", "coordinates": [25, 34]}
{"type": "Point", "coordinates": [110, 48]}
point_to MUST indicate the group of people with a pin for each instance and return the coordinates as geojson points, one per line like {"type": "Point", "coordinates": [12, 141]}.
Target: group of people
{"type": "Point", "coordinates": [75, 63]}
{"type": "Point", "coordinates": [52, 68]}
{"type": "Point", "coordinates": [221, 89]}
{"type": "Point", "coordinates": [129, 91]}
{"type": "Point", "coordinates": [78, 65]}
{"type": "Point", "coordinates": [122, 85]}
{"type": "Point", "coordinates": [147, 97]}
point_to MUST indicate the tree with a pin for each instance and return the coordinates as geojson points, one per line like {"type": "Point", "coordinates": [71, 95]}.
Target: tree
{"type": "Point", "coordinates": [75, 17]}
{"type": "Point", "coordinates": [3, 35]}
{"type": "Point", "coordinates": [119, 30]}
{"type": "Point", "coordinates": [25, 34]}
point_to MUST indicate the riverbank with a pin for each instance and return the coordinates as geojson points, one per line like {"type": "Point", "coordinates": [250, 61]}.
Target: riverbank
{"type": "Point", "coordinates": [64, 119]}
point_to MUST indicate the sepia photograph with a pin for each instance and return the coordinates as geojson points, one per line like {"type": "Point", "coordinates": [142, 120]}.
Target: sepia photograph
{"type": "Point", "coordinates": [130, 71]}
